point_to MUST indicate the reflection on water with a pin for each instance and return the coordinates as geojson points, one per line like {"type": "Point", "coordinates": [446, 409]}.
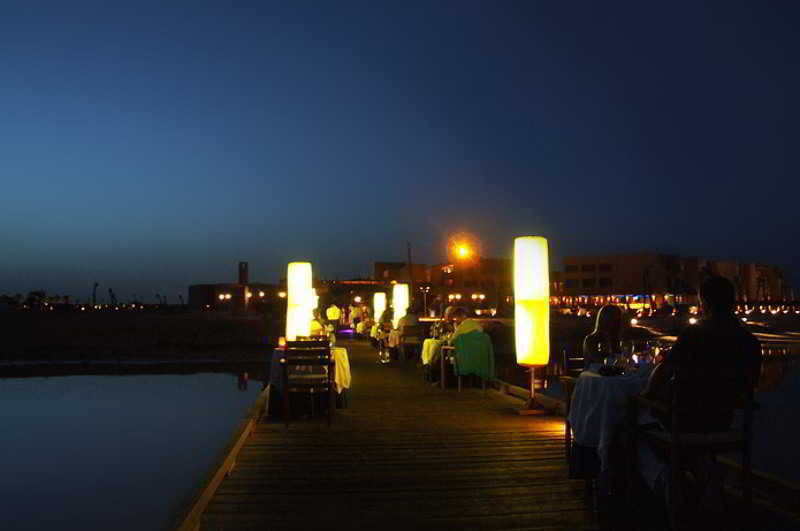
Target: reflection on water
{"type": "Point", "coordinates": [777, 421]}
{"type": "Point", "coordinates": [111, 452]}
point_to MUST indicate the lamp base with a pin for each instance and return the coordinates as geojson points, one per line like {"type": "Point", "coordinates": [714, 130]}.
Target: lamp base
{"type": "Point", "coordinates": [531, 407]}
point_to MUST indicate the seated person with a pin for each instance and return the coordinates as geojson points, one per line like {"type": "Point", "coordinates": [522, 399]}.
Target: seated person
{"type": "Point", "coordinates": [318, 324]}
{"type": "Point", "coordinates": [605, 338]}
{"type": "Point", "coordinates": [717, 360]}
{"type": "Point", "coordinates": [462, 323]}
{"type": "Point", "coordinates": [364, 326]}
{"type": "Point", "coordinates": [444, 326]}
{"type": "Point", "coordinates": [411, 318]}
{"type": "Point", "coordinates": [384, 324]}
{"type": "Point", "coordinates": [475, 354]}
{"type": "Point", "coordinates": [333, 313]}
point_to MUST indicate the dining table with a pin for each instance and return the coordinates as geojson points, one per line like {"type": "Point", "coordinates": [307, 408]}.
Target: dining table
{"type": "Point", "coordinates": [431, 349]}
{"type": "Point", "coordinates": [599, 406]}
{"type": "Point", "coordinates": [394, 338]}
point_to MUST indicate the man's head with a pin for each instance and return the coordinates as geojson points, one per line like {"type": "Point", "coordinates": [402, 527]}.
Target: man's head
{"type": "Point", "coordinates": [717, 295]}
{"type": "Point", "coordinates": [458, 315]}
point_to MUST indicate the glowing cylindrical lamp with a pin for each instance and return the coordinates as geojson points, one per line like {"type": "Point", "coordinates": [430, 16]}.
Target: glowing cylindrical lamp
{"type": "Point", "coordinates": [299, 300]}
{"type": "Point", "coordinates": [314, 299]}
{"type": "Point", "coordinates": [531, 300]}
{"type": "Point", "coordinates": [400, 302]}
{"type": "Point", "coordinates": [379, 304]}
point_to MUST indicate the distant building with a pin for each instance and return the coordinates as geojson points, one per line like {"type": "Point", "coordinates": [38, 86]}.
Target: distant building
{"type": "Point", "coordinates": [398, 272]}
{"type": "Point", "coordinates": [487, 274]}
{"type": "Point", "coordinates": [657, 279]}
{"type": "Point", "coordinates": [232, 296]}
{"type": "Point", "coordinates": [479, 282]}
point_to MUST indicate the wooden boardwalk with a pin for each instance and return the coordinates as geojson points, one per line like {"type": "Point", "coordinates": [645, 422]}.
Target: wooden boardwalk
{"type": "Point", "coordinates": [406, 455]}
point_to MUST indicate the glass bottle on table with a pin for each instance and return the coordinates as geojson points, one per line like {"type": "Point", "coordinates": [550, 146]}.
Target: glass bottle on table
{"type": "Point", "coordinates": [604, 353]}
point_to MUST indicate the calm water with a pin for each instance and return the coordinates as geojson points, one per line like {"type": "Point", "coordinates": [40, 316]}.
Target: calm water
{"type": "Point", "coordinates": [111, 452]}
{"type": "Point", "coordinates": [777, 422]}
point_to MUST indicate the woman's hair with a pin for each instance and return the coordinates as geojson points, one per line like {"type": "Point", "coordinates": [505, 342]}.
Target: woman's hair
{"type": "Point", "coordinates": [609, 321]}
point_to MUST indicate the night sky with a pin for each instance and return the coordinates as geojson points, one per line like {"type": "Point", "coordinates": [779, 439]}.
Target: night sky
{"type": "Point", "coordinates": [149, 148]}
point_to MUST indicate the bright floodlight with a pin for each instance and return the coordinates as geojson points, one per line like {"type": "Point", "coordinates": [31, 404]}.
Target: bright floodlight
{"type": "Point", "coordinates": [299, 300]}
{"type": "Point", "coordinates": [531, 300]}
{"type": "Point", "coordinates": [400, 302]}
{"type": "Point", "coordinates": [379, 304]}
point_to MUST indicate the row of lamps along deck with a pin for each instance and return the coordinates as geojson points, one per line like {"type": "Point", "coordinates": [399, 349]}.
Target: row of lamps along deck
{"type": "Point", "coordinates": [531, 301]}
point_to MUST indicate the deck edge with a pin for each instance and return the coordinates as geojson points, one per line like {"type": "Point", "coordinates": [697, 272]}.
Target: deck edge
{"type": "Point", "coordinates": [190, 521]}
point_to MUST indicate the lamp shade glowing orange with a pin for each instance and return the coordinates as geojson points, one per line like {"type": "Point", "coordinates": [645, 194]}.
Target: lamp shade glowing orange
{"type": "Point", "coordinates": [400, 299]}
{"type": "Point", "coordinates": [379, 304]}
{"type": "Point", "coordinates": [299, 300]}
{"type": "Point", "coordinates": [531, 300]}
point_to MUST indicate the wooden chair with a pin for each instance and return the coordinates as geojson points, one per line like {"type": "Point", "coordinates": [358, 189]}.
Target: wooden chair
{"type": "Point", "coordinates": [572, 366]}
{"type": "Point", "coordinates": [411, 340]}
{"type": "Point", "coordinates": [682, 444]}
{"type": "Point", "coordinates": [313, 372]}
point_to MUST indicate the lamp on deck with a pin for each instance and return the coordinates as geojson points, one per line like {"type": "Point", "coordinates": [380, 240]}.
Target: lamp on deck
{"type": "Point", "coordinates": [299, 300]}
{"type": "Point", "coordinates": [531, 307]}
{"type": "Point", "coordinates": [400, 301]}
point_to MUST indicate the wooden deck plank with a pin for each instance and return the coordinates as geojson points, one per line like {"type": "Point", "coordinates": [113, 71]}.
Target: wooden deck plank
{"type": "Point", "coordinates": [406, 455]}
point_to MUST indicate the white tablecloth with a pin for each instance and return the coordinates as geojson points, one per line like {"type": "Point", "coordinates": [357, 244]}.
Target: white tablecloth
{"type": "Point", "coordinates": [342, 376]}
{"type": "Point", "coordinates": [599, 407]}
{"type": "Point", "coordinates": [431, 349]}
{"type": "Point", "coordinates": [394, 338]}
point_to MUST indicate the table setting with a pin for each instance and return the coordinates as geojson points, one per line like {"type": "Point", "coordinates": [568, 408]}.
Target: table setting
{"type": "Point", "coordinates": [599, 401]}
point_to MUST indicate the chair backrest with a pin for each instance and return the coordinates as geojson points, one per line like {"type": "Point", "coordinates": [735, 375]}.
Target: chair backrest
{"type": "Point", "coordinates": [474, 354]}
{"type": "Point", "coordinates": [573, 364]}
{"type": "Point", "coordinates": [412, 335]}
{"type": "Point", "coordinates": [319, 342]}
{"type": "Point", "coordinates": [307, 353]}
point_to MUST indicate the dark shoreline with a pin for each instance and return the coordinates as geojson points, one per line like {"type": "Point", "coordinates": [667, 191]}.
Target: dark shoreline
{"type": "Point", "coordinates": [257, 369]}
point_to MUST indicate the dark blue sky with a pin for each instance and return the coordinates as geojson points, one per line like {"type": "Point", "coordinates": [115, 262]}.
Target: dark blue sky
{"type": "Point", "coordinates": [151, 147]}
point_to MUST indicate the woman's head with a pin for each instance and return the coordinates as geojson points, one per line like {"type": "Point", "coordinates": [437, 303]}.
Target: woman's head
{"type": "Point", "coordinates": [609, 321]}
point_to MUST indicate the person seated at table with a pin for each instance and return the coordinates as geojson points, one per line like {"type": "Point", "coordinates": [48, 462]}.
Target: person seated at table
{"type": "Point", "coordinates": [318, 324]}
{"type": "Point", "coordinates": [605, 338]}
{"type": "Point", "coordinates": [384, 324]}
{"type": "Point", "coordinates": [411, 318]}
{"type": "Point", "coordinates": [333, 313]}
{"type": "Point", "coordinates": [717, 358]}
{"type": "Point", "coordinates": [463, 325]}
{"type": "Point", "coordinates": [365, 325]}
